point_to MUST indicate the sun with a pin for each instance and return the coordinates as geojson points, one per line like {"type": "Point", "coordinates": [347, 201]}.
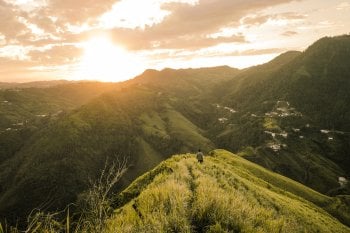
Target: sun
{"type": "Point", "coordinates": [104, 61]}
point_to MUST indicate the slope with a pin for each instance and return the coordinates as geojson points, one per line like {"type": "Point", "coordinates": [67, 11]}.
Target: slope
{"type": "Point", "coordinates": [314, 81]}
{"type": "Point", "coordinates": [21, 104]}
{"type": "Point", "coordinates": [57, 162]}
{"type": "Point", "coordinates": [293, 112]}
{"type": "Point", "coordinates": [224, 194]}
{"type": "Point", "coordinates": [171, 111]}
{"type": "Point", "coordinates": [140, 120]}
{"type": "Point", "coordinates": [23, 111]}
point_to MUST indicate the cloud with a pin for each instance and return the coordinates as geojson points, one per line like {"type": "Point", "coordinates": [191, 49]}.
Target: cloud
{"type": "Point", "coordinates": [56, 55]}
{"type": "Point", "coordinates": [10, 26]}
{"type": "Point", "coordinates": [259, 52]}
{"type": "Point", "coordinates": [209, 15]}
{"type": "Point", "coordinates": [77, 11]}
{"type": "Point", "coordinates": [193, 42]}
{"type": "Point", "coordinates": [143, 40]}
{"type": "Point", "coordinates": [289, 33]}
{"type": "Point", "coordinates": [11, 70]}
{"type": "Point", "coordinates": [343, 6]}
{"type": "Point", "coordinates": [45, 30]}
{"type": "Point", "coordinates": [160, 55]}
{"type": "Point", "coordinates": [53, 18]}
{"type": "Point", "coordinates": [188, 26]}
{"type": "Point", "coordinates": [256, 20]}
{"type": "Point", "coordinates": [9, 64]}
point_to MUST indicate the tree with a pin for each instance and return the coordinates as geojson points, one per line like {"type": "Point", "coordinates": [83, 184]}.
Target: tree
{"type": "Point", "coordinates": [95, 203]}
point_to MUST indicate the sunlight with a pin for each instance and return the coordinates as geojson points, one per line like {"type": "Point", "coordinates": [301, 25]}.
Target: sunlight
{"type": "Point", "coordinates": [104, 61]}
{"type": "Point", "coordinates": [124, 14]}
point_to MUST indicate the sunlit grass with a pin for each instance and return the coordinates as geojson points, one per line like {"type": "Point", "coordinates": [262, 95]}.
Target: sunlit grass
{"type": "Point", "coordinates": [224, 194]}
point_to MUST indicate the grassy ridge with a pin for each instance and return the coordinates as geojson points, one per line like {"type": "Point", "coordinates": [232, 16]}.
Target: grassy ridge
{"type": "Point", "coordinates": [225, 194]}
{"type": "Point", "coordinates": [50, 150]}
{"type": "Point", "coordinates": [60, 158]}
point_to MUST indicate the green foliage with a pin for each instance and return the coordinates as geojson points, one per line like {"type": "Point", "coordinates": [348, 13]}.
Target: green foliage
{"type": "Point", "coordinates": [224, 194]}
{"type": "Point", "coordinates": [25, 110]}
{"type": "Point", "coordinates": [93, 207]}
{"type": "Point", "coordinates": [315, 83]}
{"type": "Point", "coordinates": [50, 159]}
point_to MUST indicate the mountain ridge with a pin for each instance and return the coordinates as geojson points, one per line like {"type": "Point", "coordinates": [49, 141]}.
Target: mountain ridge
{"type": "Point", "coordinates": [185, 196]}
{"type": "Point", "coordinates": [167, 112]}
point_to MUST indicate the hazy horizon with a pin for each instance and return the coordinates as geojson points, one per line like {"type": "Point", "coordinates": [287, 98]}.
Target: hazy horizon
{"type": "Point", "coordinates": [116, 81]}
{"type": "Point", "coordinates": [115, 40]}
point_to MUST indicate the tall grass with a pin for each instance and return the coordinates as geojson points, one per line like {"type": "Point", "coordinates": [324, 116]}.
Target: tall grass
{"type": "Point", "coordinates": [95, 203]}
{"type": "Point", "coordinates": [224, 194]}
{"type": "Point", "coordinates": [220, 195]}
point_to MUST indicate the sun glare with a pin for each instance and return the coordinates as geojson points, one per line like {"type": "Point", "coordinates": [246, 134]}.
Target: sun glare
{"type": "Point", "coordinates": [105, 61]}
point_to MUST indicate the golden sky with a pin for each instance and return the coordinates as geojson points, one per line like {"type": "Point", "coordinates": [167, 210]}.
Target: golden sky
{"type": "Point", "coordinates": [113, 40]}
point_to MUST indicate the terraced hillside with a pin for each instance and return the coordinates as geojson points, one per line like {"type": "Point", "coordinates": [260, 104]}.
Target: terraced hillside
{"type": "Point", "coordinates": [224, 194]}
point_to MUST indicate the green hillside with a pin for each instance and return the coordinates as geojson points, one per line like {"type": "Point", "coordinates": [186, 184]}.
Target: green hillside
{"type": "Point", "coordinates": [315, 82]}
{"type": "Point", "coordinates": [266, 114]}
{"type": "Point", "coordinates": [58, 160]}
{"type": "Point", "coordinates": [224, 194]}
{"type": "Point", "coordinates": [145, 120]}
{"type": "Point", "coordinates": [292, 114]}
{"type": "Point", "coordinates": [26, 104]}
{"type": "Point", "coordinates": [24, 111]}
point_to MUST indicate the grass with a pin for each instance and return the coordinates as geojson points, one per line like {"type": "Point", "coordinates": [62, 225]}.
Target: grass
{"type": "Point", "coordinates": [190, 134]}
{"type": "Point", "coordinates": [224, 194]}
{"type": "Point", "coordinates": [150, 157]}
{"type": "Point", "coordinates": [153, 124]}
{"type": "Point", "coordinates": [172, 124]}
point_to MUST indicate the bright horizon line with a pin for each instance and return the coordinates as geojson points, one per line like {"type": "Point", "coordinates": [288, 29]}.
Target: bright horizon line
{"type": "Point", "coordinates": [273, 56]}
{"type": "Point", "coordinates": [135, 76]}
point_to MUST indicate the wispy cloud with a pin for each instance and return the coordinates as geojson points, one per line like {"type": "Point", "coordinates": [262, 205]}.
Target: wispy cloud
{"type": "Point", "coordinates": [289, 33]}
{"type": "Point", "coordinates": [343, 6]}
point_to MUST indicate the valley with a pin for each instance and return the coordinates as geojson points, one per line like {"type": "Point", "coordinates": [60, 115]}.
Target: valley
{"type": "Point", "coordinates": [290, 115]}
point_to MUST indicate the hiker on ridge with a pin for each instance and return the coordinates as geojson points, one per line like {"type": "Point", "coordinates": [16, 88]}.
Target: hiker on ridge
{"type": "Point", "coordinates": [200, 156]}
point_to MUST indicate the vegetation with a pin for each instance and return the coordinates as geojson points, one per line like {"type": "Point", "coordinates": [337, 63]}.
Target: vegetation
{"type": "Point", "coordinates": [24, 111]}
{"type": "Point", "coordinates": [289, 115]}
{"type": "Point", "coordinates": [92, 209]}
{"type": "Point", "coordinates": [224, 194]}
{"type": "Point", "coordinates": [313, 85]}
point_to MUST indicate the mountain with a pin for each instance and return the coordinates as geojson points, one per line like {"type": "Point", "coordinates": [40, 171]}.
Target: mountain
{"type": "Point", "coordinates": [224, 194]}
{"type": "Point", "coordinates": [36, 84]}
{"type": "Point", "coordinates": [139, 121]}
{"type": "Point", "coordinates": [25, 110]}
{"type": "Point", "coordinates": [292, 113]}
{"type": "Point", "coordinates": [315, 82]}
{"type": "Point", "coordinates": [258, 113]}
{"type": "Point", "coordinates": [20, 104]}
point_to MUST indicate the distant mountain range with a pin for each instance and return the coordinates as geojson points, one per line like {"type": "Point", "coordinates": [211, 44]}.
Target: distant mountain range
{"type": "Point", "coordinates": [38, 84]}
{"type": "Point", "coordinates": [290, 115]}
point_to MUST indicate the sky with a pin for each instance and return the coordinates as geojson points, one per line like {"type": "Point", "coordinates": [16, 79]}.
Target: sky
{"type": "Point", "coordinates": [114, 40]}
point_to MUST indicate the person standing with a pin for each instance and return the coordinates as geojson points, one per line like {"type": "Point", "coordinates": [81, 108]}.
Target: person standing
{"type": "Point", "coordinates": [200, 156]}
